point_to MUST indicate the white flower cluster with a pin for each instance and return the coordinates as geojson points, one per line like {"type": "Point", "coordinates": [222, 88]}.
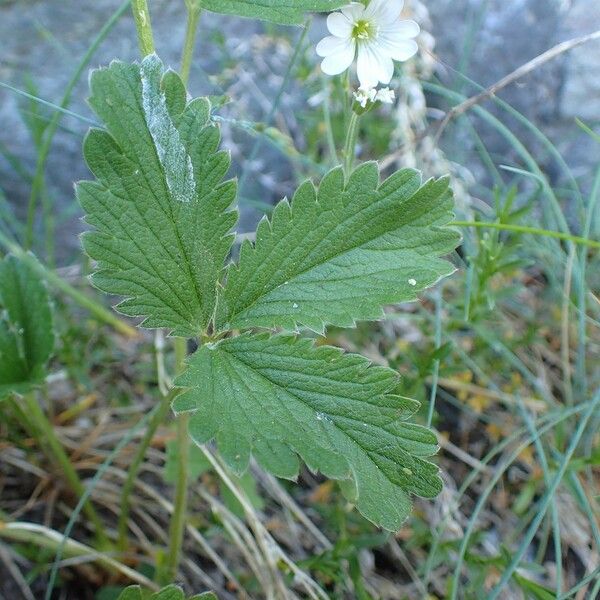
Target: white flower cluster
{"type": "Point", "coordinates": [366, 96]}
{"type": "Point", "coordinates": [374, 35]}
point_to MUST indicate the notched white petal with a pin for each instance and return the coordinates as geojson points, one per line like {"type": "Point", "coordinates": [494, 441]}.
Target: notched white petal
{"type": "Point", "coordinates": [339, 25]}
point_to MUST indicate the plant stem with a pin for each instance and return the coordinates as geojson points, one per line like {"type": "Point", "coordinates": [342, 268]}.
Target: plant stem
{"type": "Point", "coordinates": [141, 14]}
{"type": "Point", "coordinates": [46, 437]}
{"type": "Point", "coordinates": [134, 468]}
{"type": "Point", "coordinates": [193, 17]}
{"type": "Point", "coordinates": [350, 145]}
{"type": "Point", "coordinates": [177, 525]}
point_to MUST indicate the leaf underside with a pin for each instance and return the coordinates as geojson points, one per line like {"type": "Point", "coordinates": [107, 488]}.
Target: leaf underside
{"type": "Point", "coordinates": [159, 208]}
{"type": "Point", "coordinates": [341, 252]}
{"type": "Point", "coordinates": [26, 329]}
{"type": "Point", "coordinates": [287, 12]}
{"type": "Point", "coordinates": [282, 397]}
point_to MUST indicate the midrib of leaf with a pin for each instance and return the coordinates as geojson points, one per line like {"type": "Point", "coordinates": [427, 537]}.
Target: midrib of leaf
{"type": "Point", "coordinates": [141, 165]}
{"type": "Point", "coordinates": [170, 205]}
{"type": "Point", "coordinates": [291, 392]}
{"type": "Point", "coordinates": [148, 163]}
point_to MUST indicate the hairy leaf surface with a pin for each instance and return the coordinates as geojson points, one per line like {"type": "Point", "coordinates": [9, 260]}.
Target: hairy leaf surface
{"type": "Point", "coordinates": [159, 207]}
{"type": "Point", "coordinates": [287, 12]}
{"type": "Point", "coordinates": [26, 330]}
{"type": "Point", "coordinates": [280, 397]}
{"type": "Point", "coordinates": [339, 253]}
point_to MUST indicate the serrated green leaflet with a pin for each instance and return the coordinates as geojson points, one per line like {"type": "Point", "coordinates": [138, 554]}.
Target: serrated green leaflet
{"type": "Point", "coordinates": [159, 207]}
{"type": "Point", "coordinates": [26, 330]}
{"type": "Point", "coordinates": [338, 254]}
{"type": "Point", "coordinates": [279, 397]}
{"type": "Point", "coordinates": [287, 12]}
{"type": "Point", "coordinates": [171, 592]}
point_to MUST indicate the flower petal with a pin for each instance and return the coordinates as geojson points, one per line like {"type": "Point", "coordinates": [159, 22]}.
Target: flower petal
{"type": "Point", "coordinates": [373, 66]}
{"type": "Point", "coordinates": [354, 11]}
{"type": "Point", "coordinates": [397, 49]}
{"type": "Point", "coordinates": [339, 25]}
{"type": "Point", "coordinates": [330, 45]}
{"type": "Point", "coordinates": [340, 60]}
{"type": "Point", "coordinates": [401, 30]}
{"type": "Point", "coordinates": [384, 11]}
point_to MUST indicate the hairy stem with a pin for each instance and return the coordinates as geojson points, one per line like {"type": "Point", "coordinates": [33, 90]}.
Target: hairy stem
{"type": "Point", "coordinates": [177, 525]}
{"type": "Point", "coordinates": [350, 145]}
{"type": "Point", "coordinates": [49, 442]}
{"type": "Point", "coordinates": [134, 468]}
{"type": "Point", "coordinates": [141, 14]}
{"type": "Point", "coordinates": [193, 18]}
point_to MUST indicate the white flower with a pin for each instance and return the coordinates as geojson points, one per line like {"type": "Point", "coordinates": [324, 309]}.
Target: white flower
{"type": "Point", "coordinates": [375, 35]}
{"type": "Point", "coordinates": [364, 96]}
{"type": "Point", "coordinates": [385, 95]}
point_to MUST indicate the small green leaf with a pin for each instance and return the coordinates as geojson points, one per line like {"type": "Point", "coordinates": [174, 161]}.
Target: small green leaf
{"type": "Point", "coordinates": [171, 592]}
{"type": "Point", "coordinates": [133, 592]}
{"type": "Point", "coordinates": [287, 12]}
{"type": "Point", "coordinates": [279, 397]}
{"type": "Point", "coordinates": [159, 207]}
{"type": "Point", "coordinates": [340, 253]}
{"type": "Point", "coordinates": [26, 330]}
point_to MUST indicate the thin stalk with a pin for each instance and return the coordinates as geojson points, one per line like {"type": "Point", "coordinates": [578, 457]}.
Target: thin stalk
{"type": "Point", "coordinates": [273, 110]}
{"type": "Point", "coordinates": [143, 26]}
{"type": "Point", "coordinates": [45, 435]}
{"type": "Point", "coordinates": [534, 230]}
{"type": "Point", "coordinates": [99, 311]}
{"type": "Point", "coordinates": [193, 18]}
{"type": "Point", "coordinates": [38, 178]}
{"type": "Point", "coordinates": [177, 524]}
{"type": "Point", "coordinates": [436, 363]}
{"type": "Point", "coordinates": [134, 468]}
{"type": "Point", "coordinates": [350, 144]}
{"type": "Point", "coordinates": [328, 123]}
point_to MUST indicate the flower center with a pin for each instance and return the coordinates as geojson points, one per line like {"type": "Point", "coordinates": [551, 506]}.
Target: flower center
{"type": "Point", "coordinates": [364, 30]}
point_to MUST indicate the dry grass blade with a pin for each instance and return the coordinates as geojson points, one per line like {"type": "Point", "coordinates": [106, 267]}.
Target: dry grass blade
{"type": "Point", "coordinates": [517, 74]}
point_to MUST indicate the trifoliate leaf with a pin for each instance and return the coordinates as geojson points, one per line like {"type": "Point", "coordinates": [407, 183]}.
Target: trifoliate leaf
{"type": "Point", "coordinates": [26, 330]}
{"type": "Point", "coordinates": [287, 12]}
{"type": "Point", "coordinates": [159, 207]}
{"type": "Point", "coordinates": [280, 397]}
{"type": "Point", "coordinates": [340, 253]}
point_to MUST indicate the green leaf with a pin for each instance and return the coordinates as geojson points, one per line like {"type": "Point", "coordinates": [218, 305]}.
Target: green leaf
{"type": "Point", "coordinates": [279, 397]}
{"type": "Point", "coordinates": [287, 12]}
{"type": "Point", "coordinates": [133, 592]}
{"type": "Point", "coordinates": [338, 254]}
{"type": "Point", "coordinates": [171, 592]}
{"type": "Point", "coordinates": [26, 329]}
{"type": "Point", "coordinates": [159, 207]}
